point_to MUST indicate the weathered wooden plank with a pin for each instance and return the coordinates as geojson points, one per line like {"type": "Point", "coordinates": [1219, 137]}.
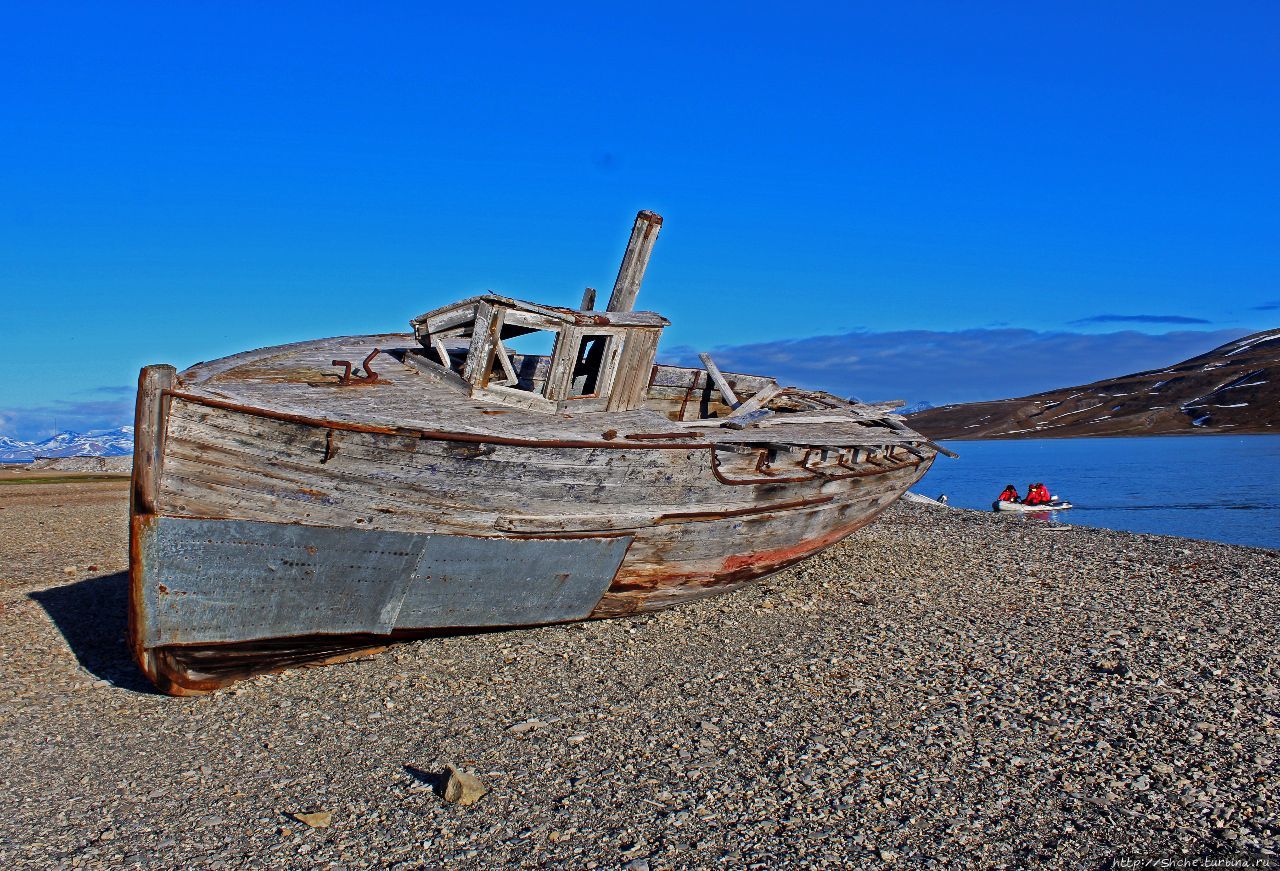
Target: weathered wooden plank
{"type": "Point", "coordinates": [504, 359]}
{"type": "Point", "coordinates": [441, 351]}
{"type": "Point", "coordinates": [459, 314]}
{"type": "Point", "coordinates": [463, 414]}
{"type": "Point", "coordinates": [560, 376]}
{"type": "Point", "coordinates": [480, 353]}
{"type": "Point", "coordinates": [730, 398]}
{"type": "Point", "coordinates": [434, 371]}
{"type": "Point", "coordinates": [633, 369]}
{"type": "Point", "coordinates": [531, 320]}
{"type": "Point", "coordinates": [634, 262]}
{"type": "Point", "coordinates": [363, 497]}
{"type": "Point", "coordinates": [401, 402]}
{"type": "Point", "coordinates": [358, 486]}
{"type": "Point", "coordinates": [684, 376]}
{"type": "Point", "coordinates": [506, 395]}
{"type": "Point", "coordinates": [474, 476]}
{"type": "Point", "coordinates": [366, 472]}
{"type": "Point", "coordinates": [756, 401]}
{"type": "Point", "coordinates": [622, 457]}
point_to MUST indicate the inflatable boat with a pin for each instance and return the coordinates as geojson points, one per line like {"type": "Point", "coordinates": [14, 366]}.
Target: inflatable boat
{"type": "Point", "coordinates": [1055, 505]}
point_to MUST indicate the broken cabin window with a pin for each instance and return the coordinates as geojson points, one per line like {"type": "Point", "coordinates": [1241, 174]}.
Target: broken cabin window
{"type": "Point", "coordinates": [449, 353]}
{"type": "Point", "coordinates": [521, 359]}
{"type": "Point", "coordinates": [590, 369]}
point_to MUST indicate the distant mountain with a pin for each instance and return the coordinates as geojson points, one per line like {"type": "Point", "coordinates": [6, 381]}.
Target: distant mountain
{"type": "Point", "coordinates": [1231, 389]}
{"type": "Point", "coordinates": [915, 407]}
{"type": "Point", "coordinates": [14, 451]}
{"type": "Point", "coordinates": [94, 443]}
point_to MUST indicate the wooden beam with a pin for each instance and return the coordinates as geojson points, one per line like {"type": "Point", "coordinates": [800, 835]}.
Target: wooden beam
{"type": "Point", "coordinates": [148, 435]}
{"type": "Point", "coordinates": [723, 386]}
{"type": "Point", "coordinates": [484, 335]}
{"type": "Point", "coordinates": [501, 351]}
{"type": "Point", "coordinates": [940, 449]}
{"type": "Point", "coordinates": [630, 385]}
{"type": "Point", "coordinates": [588, 299]}
{"type": "Point", "coordinates": [516, 318]}
{"type": "Point", "coordinates": [756, 402]}
{"type": "Point", "coordinates": [634, 261]}
{"type": "Point", "coordinates": [426, 366]}
{"type": "Point", "coordinates": [462, 315]}
{"type": "Point", "coordinates": [563, 358]}
{"type": "Point", "coordinates": [442, 351]}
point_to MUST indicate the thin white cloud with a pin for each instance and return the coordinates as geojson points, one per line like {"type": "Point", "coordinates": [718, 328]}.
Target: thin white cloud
{"type": "Point", "coordinates": [958, 366]}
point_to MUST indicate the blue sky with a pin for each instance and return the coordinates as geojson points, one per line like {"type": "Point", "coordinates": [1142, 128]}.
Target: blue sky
{"type": "Point", "coordinates": [182, 181]}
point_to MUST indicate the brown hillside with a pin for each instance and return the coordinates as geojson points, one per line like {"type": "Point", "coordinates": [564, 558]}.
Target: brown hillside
{"type": "Point", "coordinates": [1234, 388]}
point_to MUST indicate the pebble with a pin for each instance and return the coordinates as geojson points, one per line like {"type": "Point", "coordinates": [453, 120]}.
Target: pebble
{"type": "Point", "coordinates": [315, 819]}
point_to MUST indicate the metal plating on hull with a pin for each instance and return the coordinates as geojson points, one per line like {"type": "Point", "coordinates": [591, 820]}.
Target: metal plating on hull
{"type": "Point", "coordinates": [314, 580]}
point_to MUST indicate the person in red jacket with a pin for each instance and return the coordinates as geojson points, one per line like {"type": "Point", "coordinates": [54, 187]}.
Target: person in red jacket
{"type": "Point", "coordinates": [1009, 494]}
{"type": "Point", "coordinates": [1037, 494]}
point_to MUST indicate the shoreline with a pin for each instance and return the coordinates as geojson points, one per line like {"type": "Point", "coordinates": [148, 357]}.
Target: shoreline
{"type": "Point", "coordinates": [1110, 435]}
{"type": "Point", "coordinates": [922, 693]}
{"type": "Point", "coordinates": [1064, 523]}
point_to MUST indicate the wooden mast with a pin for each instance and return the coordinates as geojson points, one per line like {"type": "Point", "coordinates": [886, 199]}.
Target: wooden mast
{"type": "Point", "coordinates": [631, 273]}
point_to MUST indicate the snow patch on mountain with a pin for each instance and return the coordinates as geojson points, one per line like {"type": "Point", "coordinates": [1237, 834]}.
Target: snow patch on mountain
{"type": "Point", "coordinates": [94, 443]}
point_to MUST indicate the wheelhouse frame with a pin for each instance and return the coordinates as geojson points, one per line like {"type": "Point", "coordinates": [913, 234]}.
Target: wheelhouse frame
{"type": "Point", "coordinates": [601, 360]}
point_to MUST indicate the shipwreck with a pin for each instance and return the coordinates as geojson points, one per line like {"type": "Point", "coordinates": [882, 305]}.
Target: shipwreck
{"type": "Point", "coordinates": [307, 503]}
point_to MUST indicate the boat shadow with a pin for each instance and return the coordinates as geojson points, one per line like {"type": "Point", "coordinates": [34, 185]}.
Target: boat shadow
{"type": "Point", "coordinates": [91, 616]}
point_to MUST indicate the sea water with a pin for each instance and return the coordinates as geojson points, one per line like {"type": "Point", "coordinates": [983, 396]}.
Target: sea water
{"type": "Point", "coordinates": [1223, 488]}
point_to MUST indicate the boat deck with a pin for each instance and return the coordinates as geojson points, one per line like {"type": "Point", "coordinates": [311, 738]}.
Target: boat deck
{"type": "Point", "coordinates": [301, 380]}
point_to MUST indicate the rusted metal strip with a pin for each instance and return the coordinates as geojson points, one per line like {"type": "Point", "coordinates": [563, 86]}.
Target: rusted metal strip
{"type": "Point", "coordinates": [688, 394]}
{"type": "Point", "coordinates": [659, 436]}
{"type": "Point", "coordinates": [723, 479]}
{"type": "Point", "coordinates": [346, 379]}
{"type": "Point", "coordinates": [865, 473]}
{"type": "Point", "coordinates": [762, 463]}
{"type": "Point", "coordinates": [743, 512]}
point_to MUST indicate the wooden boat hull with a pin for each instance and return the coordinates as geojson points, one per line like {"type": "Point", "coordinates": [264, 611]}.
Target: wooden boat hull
{"type": "Point", "coordinates": [263, 539]}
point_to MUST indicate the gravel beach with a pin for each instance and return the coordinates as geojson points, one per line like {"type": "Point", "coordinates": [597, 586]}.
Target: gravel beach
{"type": "Point", "coordinates": [945, 689]}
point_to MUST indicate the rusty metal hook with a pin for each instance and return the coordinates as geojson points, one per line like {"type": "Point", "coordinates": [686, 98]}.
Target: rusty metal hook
{"type": "Point", "coordinates": [346, 378]}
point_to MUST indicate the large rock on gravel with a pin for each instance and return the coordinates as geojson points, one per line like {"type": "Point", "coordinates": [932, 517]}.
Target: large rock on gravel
{"type": "Point", "coordinates": [462, 787]}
